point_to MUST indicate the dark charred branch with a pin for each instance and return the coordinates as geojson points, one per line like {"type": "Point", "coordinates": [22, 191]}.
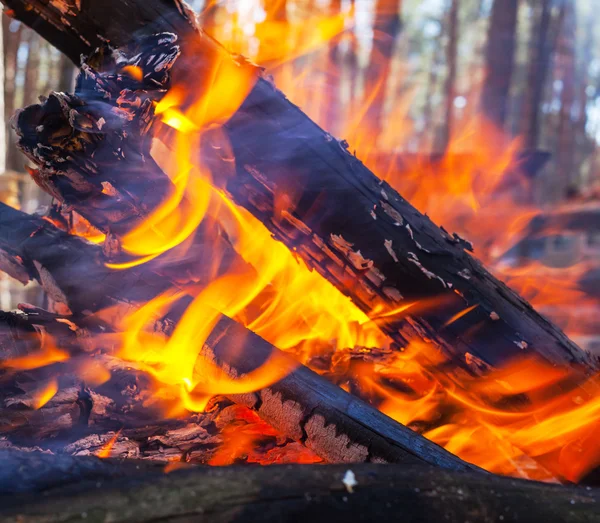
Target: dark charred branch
{"type": "Point", "coordinates": [347, 224]}
{"type": "Point", "coordinates": [71, 271]}
{"type": "Point", "coordinates": [93, 152]}
{"type": "Point", "coordinates": [38, 471]}
{"type": "Point", "coordinates": [304, 406]}
{"type": "Point", "coordinates": [291, 493]}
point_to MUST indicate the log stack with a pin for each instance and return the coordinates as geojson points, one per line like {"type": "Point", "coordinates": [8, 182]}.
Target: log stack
{"type": "Point", "coordinates": [92, 153]}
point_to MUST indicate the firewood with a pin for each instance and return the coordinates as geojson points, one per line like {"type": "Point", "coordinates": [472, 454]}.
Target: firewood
{"type": "Point", "coordinates": [361, 492]}
{"type": "Point", "coordinates": [350, 226]}
{"type": "Point", "coordinates": [304, 406]}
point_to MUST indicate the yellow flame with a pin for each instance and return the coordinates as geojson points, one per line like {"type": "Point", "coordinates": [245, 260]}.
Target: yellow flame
{"type": "Point", "coordinates": [106, 449]}
{"type": "Point", "coordinates": [45, 394]}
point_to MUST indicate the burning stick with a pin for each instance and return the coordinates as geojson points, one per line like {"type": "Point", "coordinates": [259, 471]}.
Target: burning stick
{"type": "Point", "coordinates": [303, 406]}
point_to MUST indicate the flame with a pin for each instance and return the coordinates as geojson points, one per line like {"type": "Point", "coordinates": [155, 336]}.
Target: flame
{"type": "Point", "coordinates": [93, 373]}
{"type": "Point", "coordinates": [84, 229]}
{"type": "Point", "coordinates": [550, 412]}
{"type": "Point", "coordinates": [523, 419]}
{"type": "Point", "coordinates": [179, 215]}
{"type": "Point", "coordinates": [172, 466]}
{"type": "Point", "coordinates": [134, 72]}
{"type": "Point", "coordinates": [106, 450]}
{"type": "Point", "coordinates": [45, 394]}
{"type": "Point", "coordinates": [47, 355]}
{"type": "Point", "coordinates": [175, 361]}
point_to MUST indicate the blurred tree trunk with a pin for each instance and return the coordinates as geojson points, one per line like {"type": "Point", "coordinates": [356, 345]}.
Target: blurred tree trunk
{"type": "Point", "coordinates": [450, 84]}
{"type": "Point", "coordinates": [66, 74]}
{"type": "Point", "coordinates": [566, 130]}
{"type": "Point", "coordinates": [499, 60]}
{"type": "Point", "coordinates": [585, 146]}
{"type": "Point", "coordinates": [333, 95]}
{"type": "Point", "coordinates": [3, 142]}
{"type": "Point", "coordinates": [32, 70]}
{"type": "Point", "coordinates": [12, 42]}
{"type": "Point", "coordinates": [386, 29]}
{"type": "Point", "coordinates": [426, 138]}
{"type": "Point", "coordinates": [543, 36]}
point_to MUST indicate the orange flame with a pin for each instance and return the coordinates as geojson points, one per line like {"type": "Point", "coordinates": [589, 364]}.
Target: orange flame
{"type": "Point", "coordinates": [45, 394]}
{"type": "Point", "coordinates": [134, 71]}
{"type": "Point", "coordinates": [45, 356]}
{"type": "Point", "coordinates": [106, 450]}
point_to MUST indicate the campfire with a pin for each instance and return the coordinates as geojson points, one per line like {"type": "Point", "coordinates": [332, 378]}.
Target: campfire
{"type": "Point", "coordinates": [229, 284]}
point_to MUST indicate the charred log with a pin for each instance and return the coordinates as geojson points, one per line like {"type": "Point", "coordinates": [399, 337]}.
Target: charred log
{"type": "Point", "coordinates": [295, 493]}
{"type": "Point", "coordinates": [351, 227]}
{"type": "Point", "coordinates": [38, 471]}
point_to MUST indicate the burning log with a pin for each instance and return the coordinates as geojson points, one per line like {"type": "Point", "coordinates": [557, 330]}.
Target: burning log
{"type": "Point", "coordinates": [132, 491]}
{"type": "Point", "coordinates": [303, 406]}
{"type": "Point", "coordinates": [327, 207]}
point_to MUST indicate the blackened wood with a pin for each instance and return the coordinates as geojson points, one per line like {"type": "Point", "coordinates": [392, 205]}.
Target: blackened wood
{"type": "Point", "coordinates": [35, 472]}
{"type": "Point", "coordinates": [350, 226]}
{"type": "Point", "coordinates": [71, 271]}
{"type": "Point", "coordinates": [304, 493]}
{"type": "Point", "coordinates": [335, 424]}
{"type": "Point", "coordinates": [18, 337]}
{"type": "Point", "coordinates": [303, 406]}
{"type": "Point", "coordinates": [390, 254]}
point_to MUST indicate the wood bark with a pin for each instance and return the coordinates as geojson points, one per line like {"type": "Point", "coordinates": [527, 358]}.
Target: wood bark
{"type": "Point", "coordinates": [303, 406]}
{"type": "Point", "coordinates": [499, 60]}
{"type": "Point", "coordinates": [29, 472]}
{"type": "Point", "coordinates": [121, 493]}
{"type": "Point", "coordinates": [350, 226]}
